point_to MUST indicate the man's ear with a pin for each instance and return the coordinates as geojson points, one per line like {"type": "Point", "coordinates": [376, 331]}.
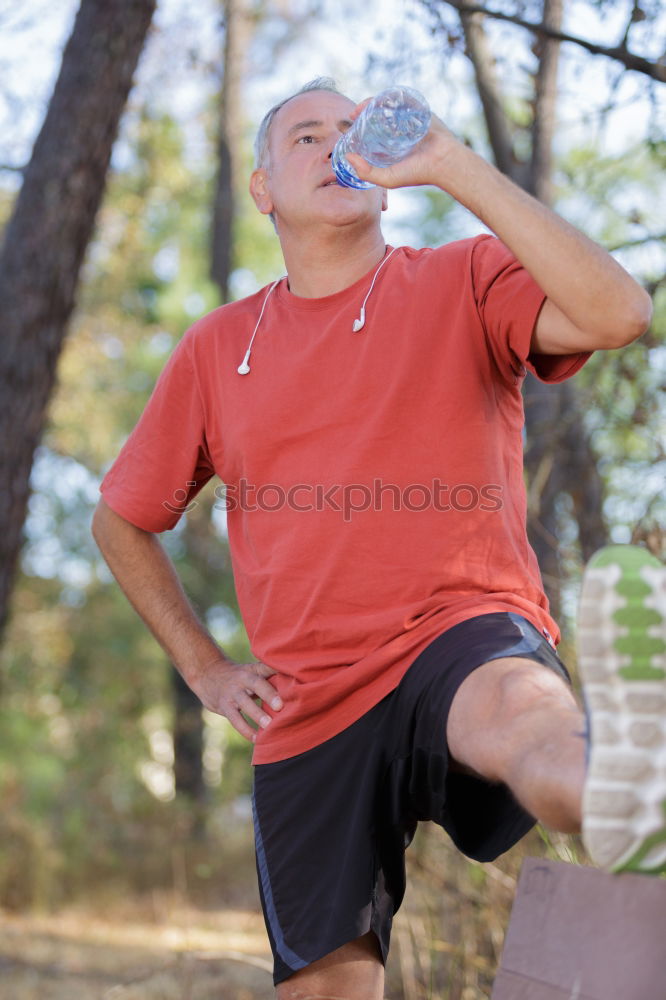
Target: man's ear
{"type": "Point", "coordinates": [259, 191]}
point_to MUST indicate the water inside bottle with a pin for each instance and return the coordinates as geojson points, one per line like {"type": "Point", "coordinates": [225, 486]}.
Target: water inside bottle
{"type": "Point", "coordinates": [384, 133]}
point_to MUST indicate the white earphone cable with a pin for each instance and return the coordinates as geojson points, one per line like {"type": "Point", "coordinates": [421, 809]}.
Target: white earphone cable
{"type": "Point", "coordinates": [244, 366]}
{"type": "Point", "coordinates": [360, 322]}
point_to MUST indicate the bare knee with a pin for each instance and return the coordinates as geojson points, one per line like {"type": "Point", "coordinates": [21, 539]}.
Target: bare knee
{"type": "Point", "coordinates": [494, 708]}
{"type": "Point", "coordinates": [526, 687]}
{"type": "Point", "coordinates": [354, 970]}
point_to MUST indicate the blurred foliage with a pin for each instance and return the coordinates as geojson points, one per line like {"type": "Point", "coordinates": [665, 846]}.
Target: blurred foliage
{"type": "Point", "coordinates": [85, 699]}
{"type": "Point", "coordinates": [619, 201]}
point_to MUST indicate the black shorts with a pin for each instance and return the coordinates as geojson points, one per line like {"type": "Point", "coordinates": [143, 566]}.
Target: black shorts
{"type": "Point", "coordinates": [332, 824]}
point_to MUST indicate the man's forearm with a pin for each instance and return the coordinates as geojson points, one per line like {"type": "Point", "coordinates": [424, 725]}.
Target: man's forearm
{"type": "Point", "coordinates": [147, 576]}
{"type": "Point", "coordinates": [577, 275]}
{"type": "Point", "coordinates": [597, 303]}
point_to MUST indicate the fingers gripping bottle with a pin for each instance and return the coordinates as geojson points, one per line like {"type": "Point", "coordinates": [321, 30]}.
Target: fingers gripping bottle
{"type": "Point", "coordinates": [387, 129]}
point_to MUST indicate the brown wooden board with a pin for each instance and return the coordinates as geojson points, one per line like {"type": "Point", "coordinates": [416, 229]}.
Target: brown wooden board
{"type": "Point", "coordinates": [581, 934]}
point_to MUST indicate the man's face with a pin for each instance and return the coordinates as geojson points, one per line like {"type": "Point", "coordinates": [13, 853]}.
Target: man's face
{"type": "Point", "coordinates": [298, 184]}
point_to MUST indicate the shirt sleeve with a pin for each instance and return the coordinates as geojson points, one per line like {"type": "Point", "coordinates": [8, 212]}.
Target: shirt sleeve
{"type": "Point", "coordinates": [165, 461]}
{"type": "Point", "coordinates": [509, 301]}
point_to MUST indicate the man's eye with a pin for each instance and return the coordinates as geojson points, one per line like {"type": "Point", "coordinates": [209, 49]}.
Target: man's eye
{"type": "Point", "coordinates": [306, 138]}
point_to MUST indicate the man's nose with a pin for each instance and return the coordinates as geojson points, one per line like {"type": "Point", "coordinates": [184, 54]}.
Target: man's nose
{"type": "Point", "coordinates": [331, 143]}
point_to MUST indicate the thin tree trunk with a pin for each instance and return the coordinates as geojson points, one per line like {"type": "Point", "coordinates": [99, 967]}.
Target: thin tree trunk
{"type": "Point", "coordinates": [558, 458]}
{"type": "Point", "coordinates": [545, 107]}
{"type": "Point", "coordinates": [499, 130]}
{"type": "Point", "coordinates": [188, 746]}
{"type": "Point", "coordinates": [237, 28]}
{"type": "Point", "coordinates": [47, 235]}
{"type": "Point", "coordinates": [198, 537]}
{"type": "Point", "coordinates": [556, 434]}
{"type": "Point", "coordinates": [546, 467]}
{"type": "Point", "coordinates": [583, 482]}
{"type": "Point", "coordinates": [206, 570]}
{"type": "Point", "coordinates": [544, 403]}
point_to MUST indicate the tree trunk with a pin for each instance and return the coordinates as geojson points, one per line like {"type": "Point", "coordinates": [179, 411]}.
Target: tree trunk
{"type": "Point", "coordinates": [188, 745]}
{"type": "Point", "coordinates": [583, 482]}
{"type": "Point", "coordinates": [207, 576]}
{"type": "Point", "coordinates": [545, 107]}
{"type": "Point", "coordinates": [555, 430]}
{"type": "Point", "coordinates": [558, 458]}
{"type": "Point", "coordinates": [500, 133]}
{"type": "Point", "coordinates": [237, 28]}
{"type": "Point", "coordinates": [198, 536]}
{"type": "Point", "coordinates": [544, 458]}
{"type": "Point", "coordinates": [546, 467]}
{"type": "Point", "coordinates": [47, 235]}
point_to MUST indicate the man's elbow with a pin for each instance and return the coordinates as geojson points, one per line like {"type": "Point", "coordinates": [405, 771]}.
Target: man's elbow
{"type": "Point", "coordinates": [99, 525]}
{"type": "Point", "coordinates": [635, 321]}
{"type": "Point", "coordinates": [106, 525]}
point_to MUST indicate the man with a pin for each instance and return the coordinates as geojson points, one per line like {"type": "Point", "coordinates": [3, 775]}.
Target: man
{"type": "Point", "coordinates": [365, 415]}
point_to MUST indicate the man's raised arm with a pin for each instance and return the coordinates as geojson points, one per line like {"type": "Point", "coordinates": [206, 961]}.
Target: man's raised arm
{"type": "Point", "coordinates": [592, 302]}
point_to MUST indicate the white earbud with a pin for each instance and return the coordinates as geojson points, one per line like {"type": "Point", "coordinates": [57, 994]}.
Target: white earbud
{"type": "Point", "coordinates": [244, 367]}
{"type": "Point", "coordinates": [360, 322]}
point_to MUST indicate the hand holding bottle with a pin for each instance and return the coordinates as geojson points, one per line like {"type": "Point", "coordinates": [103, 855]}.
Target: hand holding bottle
{"type": "Point", "coordinates": [427, 163]}
{"type": "Point", "coordinates": [384, 132]}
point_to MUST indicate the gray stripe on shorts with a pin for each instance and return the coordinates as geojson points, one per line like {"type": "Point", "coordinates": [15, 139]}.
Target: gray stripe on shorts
{"type": "Point", "coordinates": [530, 638]}
{"type": "Point", "coordinates": [290, 957]}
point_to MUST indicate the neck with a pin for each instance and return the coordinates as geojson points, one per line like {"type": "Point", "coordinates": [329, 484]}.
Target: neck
{"type": "Point", "coordinates": [322, 264]}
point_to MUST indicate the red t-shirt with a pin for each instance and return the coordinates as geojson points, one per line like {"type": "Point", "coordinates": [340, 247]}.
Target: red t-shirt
{"type": "Point", "coordinates": [374, 479]}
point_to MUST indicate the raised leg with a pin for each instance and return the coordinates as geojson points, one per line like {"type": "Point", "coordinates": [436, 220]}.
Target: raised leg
{"type": "Point", "coordinates": [515, 721]}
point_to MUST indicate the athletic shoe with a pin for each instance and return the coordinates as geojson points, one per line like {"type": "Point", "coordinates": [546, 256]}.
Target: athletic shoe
{"type": "Point", "coordinates": [622, 661]}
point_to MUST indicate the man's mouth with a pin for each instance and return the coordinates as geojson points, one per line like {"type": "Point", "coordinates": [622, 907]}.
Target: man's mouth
{"type": "Point", "coordinates": [329, 182]}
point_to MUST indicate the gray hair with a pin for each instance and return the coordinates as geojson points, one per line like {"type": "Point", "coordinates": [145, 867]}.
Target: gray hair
{"type": "Point", "coordinates": [261, 158]}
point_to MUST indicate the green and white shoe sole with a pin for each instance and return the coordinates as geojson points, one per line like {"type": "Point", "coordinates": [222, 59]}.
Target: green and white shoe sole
{"type": "Point", "coordinates": [622, 661]}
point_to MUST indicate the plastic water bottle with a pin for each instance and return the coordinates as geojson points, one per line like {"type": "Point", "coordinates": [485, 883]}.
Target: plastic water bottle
{"type": "Point", "coordinates": [387, 129]}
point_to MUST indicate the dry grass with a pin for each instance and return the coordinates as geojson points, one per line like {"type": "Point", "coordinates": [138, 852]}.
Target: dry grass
{"type": "Point", "coordinates": [449, 933]}
{"type": "Point", "coordinates": [447, 937]}
{"type": "Point", "coordinates": [181, 954]}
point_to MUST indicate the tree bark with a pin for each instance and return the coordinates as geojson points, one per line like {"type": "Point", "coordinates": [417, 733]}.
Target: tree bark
{"type": "Point", "coordinates": [544, 460]}
{"type": "Point", "coordinates": [540, 182]}
{"type": "Point", "coordinates": [584, 484]}
{"type": "Point", "coordinates": [556, 434]}
{"type": "Point", "coordinates": [188, 746]}
{"type": "Point", "coordinates": [206, 569]}
{"type": "Point", "coordinates": [47, 235]}
{"type": "Point", "coordinates": [500, 133]}
{"type": "Point", "coordinates": [546, 468]}
{"type": "Point", "coordinates": [237, 27]}
{"type": "Point", "coordinates": [558, 457]}
{"type": "Point", "coordinates": [656, 69]}
{"type": "Point", "coordinates": [198, 536]}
